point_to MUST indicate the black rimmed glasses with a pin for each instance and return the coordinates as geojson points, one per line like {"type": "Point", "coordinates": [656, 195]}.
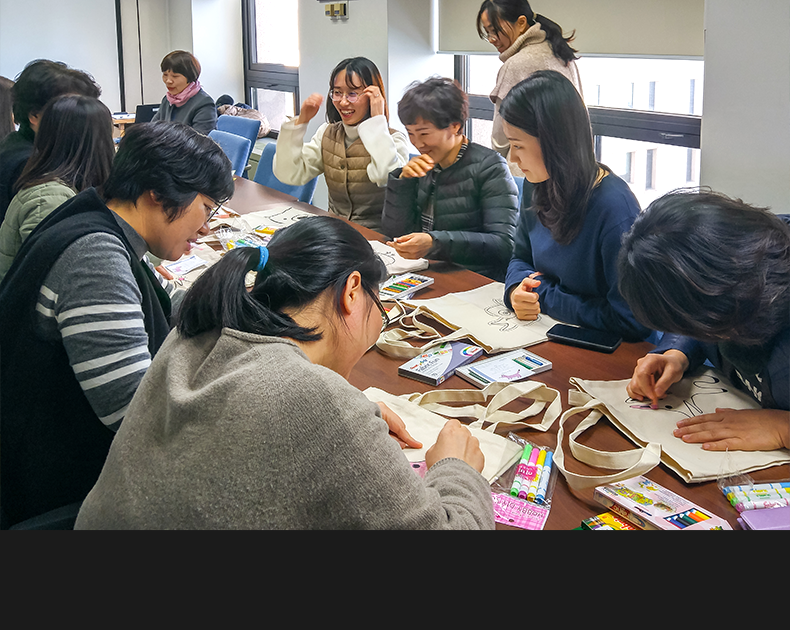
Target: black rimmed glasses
{"type": "Point", "coordinates": [213, 212]}
{"type": "Point", "coordinates": [385, 318]}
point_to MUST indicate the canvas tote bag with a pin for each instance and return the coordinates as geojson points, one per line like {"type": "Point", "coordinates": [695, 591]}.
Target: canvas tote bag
{"type": "Point", "coordinates": [479, 315]}
{"type": "Point", "coordinates": [420, 413]}
{"type": "Point", "coordinates": [651, 430]}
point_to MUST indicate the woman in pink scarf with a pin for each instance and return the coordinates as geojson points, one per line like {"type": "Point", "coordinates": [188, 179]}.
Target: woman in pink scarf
{"type": "Point", "coordinates": [185, 101]}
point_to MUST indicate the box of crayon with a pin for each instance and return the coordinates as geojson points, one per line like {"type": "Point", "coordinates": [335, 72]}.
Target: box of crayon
{"type": "Point", "coordinates": [439, 363]}
{"type": "Point", "coordinates": [403, 286]}
{"type": "Point", "coordinates": [607, 521]}
{"type": "Point", "coordinates": [509, 367]}
{"type": "Point", "coordinates": [651, 506]}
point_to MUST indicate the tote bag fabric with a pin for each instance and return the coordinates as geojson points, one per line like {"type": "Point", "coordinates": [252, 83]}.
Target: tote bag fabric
{"type": "Point", "coordinates": [479, 315]}
{"type": "Point", "coordinates": [651, 429]}
{"type": "Point", "coordinates": [425, 425]}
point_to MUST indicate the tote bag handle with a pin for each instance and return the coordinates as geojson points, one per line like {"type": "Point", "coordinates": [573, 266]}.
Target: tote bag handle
{"type": "Point", "coordinates": [630, 463]}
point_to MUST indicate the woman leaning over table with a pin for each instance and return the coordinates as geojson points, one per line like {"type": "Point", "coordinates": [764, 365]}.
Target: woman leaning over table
{"type": "Point", "coordinates": [526, 42]}
{"type": "Point", "coordinates": [82, 311]}
{"type": "Point", "coordinates": [186, 101]}
{"type": "Point", "coordinates": [714, 273]}
{"type": "Point", "coordinates": [565, 252]}
{"type": "Point", "coordinates": [247, 412]}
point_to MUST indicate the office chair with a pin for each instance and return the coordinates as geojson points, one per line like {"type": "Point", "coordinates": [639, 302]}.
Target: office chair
{"type": "Point", "coordinates": [265, 176]}
{"type": "Point", "coordinates": [235, 147]}
{"type": "Point", "coordinates": [58, 519]}
{"type": "Point", "coordinates": [244, 127]}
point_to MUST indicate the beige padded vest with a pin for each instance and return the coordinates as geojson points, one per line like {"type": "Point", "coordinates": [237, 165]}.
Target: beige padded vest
{"type": "Point", "coordinates": [351, 194]}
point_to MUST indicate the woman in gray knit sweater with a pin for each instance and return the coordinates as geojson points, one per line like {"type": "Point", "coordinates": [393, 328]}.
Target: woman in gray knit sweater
{"type": "Point", "coordinates": [246, 420]}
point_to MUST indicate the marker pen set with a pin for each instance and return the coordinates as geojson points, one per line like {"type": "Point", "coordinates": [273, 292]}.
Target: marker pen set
{"type": "Point", "coordinates": [758, 496]}
{"type": "Point", "coordinates": [533, 474]}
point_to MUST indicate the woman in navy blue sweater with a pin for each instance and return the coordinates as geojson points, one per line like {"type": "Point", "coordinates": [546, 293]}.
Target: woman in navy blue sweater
{"type": "Point", "coordinates": [564, 259]}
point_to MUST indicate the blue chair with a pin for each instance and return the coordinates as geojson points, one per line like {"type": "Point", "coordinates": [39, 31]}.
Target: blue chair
{"type": "Point", "coordinates": [235, 147]}
{"type": "Point", "coordinates": [264, 175]}
{"type": "Point", "coordinates": [244, 127]}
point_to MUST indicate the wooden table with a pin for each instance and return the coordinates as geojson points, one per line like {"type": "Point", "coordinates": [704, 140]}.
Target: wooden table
{"type": "Point", "coordinates": [568, 508]}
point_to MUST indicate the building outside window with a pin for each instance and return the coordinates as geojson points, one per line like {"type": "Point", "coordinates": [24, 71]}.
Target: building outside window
{"type": "Point", "coordinates": [271, 58]}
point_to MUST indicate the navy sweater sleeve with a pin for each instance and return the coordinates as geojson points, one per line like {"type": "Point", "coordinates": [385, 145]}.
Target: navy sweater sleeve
{"type": "Point", "coordinates": [578, 282]}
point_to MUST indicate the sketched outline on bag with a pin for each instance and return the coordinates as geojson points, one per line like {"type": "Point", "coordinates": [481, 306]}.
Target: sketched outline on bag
{"type": "Point", "coordinates": [505, 318]}
{"type": "Point", "coordinates": [692, 407]}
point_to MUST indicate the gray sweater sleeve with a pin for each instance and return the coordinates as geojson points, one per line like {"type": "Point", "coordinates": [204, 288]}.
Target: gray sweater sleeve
{"type": "Point", "coordinates": [372, 485]}
{"type": "Point", "coordinates": [91, 303]}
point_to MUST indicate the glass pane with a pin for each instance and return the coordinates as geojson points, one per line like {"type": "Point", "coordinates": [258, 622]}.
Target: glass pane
{"type": "Point", "coordinates": [277, 32]}
{"type": "Point", "coordinates": [651, 170]}
{"type": "Point", "coordinates": [276, 106]}
{"type": "Point", "coordinates": [481, 131]}
{"type": "Point", "coordinates": [482, 73]}
{"type": "Point", "coordinates": [672, 86]}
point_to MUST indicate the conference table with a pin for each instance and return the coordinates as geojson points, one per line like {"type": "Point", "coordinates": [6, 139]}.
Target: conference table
{"type": "Point", "coordinates": [568, 507]}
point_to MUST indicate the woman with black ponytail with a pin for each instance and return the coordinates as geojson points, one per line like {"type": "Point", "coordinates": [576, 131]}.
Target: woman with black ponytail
{"type": "Point", "coordinates": [526, 42]}
{"type": "Point", "coordinates": [246, 420]}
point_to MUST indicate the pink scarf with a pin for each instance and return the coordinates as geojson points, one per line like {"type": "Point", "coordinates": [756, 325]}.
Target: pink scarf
{"type": "Point", "coordinates": [184, 95]}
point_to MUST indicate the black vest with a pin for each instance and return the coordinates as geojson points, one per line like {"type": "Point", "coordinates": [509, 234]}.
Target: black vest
{"type": "Point", "coordinates": [52, 444]}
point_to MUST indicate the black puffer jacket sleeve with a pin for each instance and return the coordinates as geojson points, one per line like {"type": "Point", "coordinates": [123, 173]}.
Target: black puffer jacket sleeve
{"type": "Point", "coordinates": [475, 211]}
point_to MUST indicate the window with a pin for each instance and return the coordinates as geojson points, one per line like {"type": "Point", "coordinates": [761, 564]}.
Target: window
{"type": "Point", "coordinates": [645, 115]}
{"type": "Point", "coordinates": [271, 58]}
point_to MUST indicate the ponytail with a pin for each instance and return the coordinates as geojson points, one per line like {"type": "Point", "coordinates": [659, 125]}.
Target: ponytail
{"type": "Point", "coordinates": [304, 260]}
{"type": "Point", "coordinates": [559, 44]}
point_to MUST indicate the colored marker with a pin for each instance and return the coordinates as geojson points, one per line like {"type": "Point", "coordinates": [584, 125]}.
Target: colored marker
{"type": "Point", "coordinates": [533, 486]}
{"type": "Point", "coordinates": [479, 376]}
{"type": "Point", "coordinates": [543, 485]}
{"type": "Point", "coordinates": [526, 357]}
{"type": "Point", "coordinates": [521, 469]}
{"type": "Point", "coordinates": [760, 504]}
{"type": "Point", "coordinates": [529, 475]}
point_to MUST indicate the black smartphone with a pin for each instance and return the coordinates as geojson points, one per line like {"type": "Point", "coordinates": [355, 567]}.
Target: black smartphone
{"type": "Point", "coordinates": [599, 340]}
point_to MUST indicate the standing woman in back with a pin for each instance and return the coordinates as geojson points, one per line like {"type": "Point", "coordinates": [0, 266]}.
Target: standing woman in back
{"type": "Point", "coordinates": [186, 101]}
{"type": "Point", "coordinates": [526, 42]}
{"type": "Point", "coordinates": [355, 149]}
{"type": "Point", "coordinates": [73, 151]}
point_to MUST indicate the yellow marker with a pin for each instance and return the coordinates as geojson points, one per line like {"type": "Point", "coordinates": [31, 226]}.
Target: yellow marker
{"type": "Point", "coordinates": [533, 487]}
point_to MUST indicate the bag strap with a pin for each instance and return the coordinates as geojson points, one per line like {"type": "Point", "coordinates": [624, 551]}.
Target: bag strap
{"type": "Point", "coordinates": [393, 342]}
{"type": "Point", "coordinates": [631, 463]}
{"type": "Point", "coordinates": [501, 394]}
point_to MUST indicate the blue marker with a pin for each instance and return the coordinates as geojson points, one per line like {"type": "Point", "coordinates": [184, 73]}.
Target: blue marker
{"type": "Point", "coordinates": [543, 484]}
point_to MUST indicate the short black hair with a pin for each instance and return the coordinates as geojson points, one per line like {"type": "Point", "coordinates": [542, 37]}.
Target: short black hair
{"type": "Point", "coordinates": [41, 81]}
{"type": "Point", "coordinates": [438, 100]}
{"type": "Point", "coordinates": [707, 266]}
{"type": "Point", "coordinates": [182, 62]}
{"type": "Point", "coordinates": [173, 161]}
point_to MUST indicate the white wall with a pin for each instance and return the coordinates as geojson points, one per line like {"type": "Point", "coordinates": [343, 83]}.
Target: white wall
{"type": "Point", "coordinates": [80, 33]}
{"type": "Point", "coordinates": [217, 43]}
{"type": "Point", "coordinates": [397, 35]}
{"type": "Point", "coordinates": [745, 137]}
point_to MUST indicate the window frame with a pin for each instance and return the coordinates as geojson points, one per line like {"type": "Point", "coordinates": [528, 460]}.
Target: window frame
{"type": "Point", "coordinates": [630, 124]}
{"type": "Point", "coordinates": [268, 76]}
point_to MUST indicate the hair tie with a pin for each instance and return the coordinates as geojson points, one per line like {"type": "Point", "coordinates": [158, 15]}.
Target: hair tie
{"type": "Point", "coordinates": [264, 257]}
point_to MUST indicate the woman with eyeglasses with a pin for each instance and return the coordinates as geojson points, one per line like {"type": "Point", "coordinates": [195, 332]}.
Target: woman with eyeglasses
{"type": "Point", "coordinates": [355, 149]}
{"type": "Point", "coordinates": [82, 311]}
{"type": "Point", "coordinates": [247, 413]}
{"type": "Point", "coordinates": [526, 42]}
